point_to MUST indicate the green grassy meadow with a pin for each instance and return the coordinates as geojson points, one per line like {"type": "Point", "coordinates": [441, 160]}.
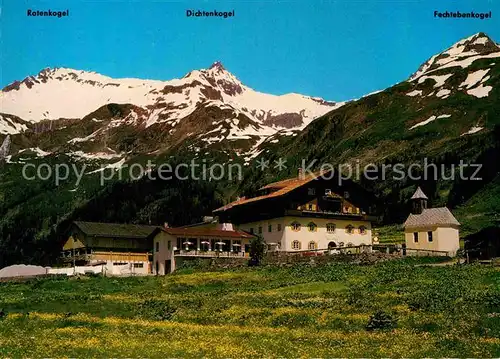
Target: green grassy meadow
{"type": "Point", "coordinates": [390, 309]}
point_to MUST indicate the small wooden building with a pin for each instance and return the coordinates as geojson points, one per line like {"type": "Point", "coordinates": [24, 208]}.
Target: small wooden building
{"type": "Point", "coordinates": [123, 246]}
{"type": "Point", "coordinates": [430, 231]}
{"type": "Point", "coordinates": [174, 245]}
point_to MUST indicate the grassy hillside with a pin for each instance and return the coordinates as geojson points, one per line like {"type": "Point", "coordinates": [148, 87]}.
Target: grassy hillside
{"type": "Point", "coordinates": [481, 210]}
{"type": "Point", "coordinates": [303, 311]}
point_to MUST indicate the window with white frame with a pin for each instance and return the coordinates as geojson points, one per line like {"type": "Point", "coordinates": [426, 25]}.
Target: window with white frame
{"type": "Point", "coordinates": [312, 245]}
{"type": "Point", "coordinates": [296, 245]}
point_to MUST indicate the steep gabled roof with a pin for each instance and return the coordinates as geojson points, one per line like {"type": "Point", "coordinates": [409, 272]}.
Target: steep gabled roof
{"type": "Point", "coordinates": [431, 217]}
{"type": "Point", "coordinates": [281, 184]}
{"type": "Point", "coordinates": [115, 230]}
{"type": "Point", "coordinates": [419, 194]}
{"type": "Point", "coordinates": [284, 186]}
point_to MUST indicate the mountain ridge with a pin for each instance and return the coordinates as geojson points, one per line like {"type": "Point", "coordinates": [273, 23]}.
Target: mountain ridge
{"type": "Point", "coordinates": [209, 106]}
{"type": "Point", "coordinates": [214, 83]}
{"type": "Point", "coordinates": [474, 45]}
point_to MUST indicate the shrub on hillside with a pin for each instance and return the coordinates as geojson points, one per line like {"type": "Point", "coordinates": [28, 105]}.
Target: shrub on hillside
{"type": "Point", "coordinates": [257, 250]}
{"type": "Point", "coordinates": [381, 320]}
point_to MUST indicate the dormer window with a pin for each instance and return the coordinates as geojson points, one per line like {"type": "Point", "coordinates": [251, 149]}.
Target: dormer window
{"type": "Point", "coordinates": [330, 227]}
{"type": "Point", "coordinates": [312, 227]}
{"type": "Point", "coordinates": [295, 226]}
{"type": "Point", "coordinates": [349, 229]}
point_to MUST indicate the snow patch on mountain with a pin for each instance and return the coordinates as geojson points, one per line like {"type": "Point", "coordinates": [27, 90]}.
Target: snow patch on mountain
{"type": "Point", "coordinates": [480, 91]}
{"type": "Point", "coordinates": [414, 93]}
{"type": "Point", "coordinates": [473, 78]}
{"type": "Point", "coordinates": [84, 139]}
{"type": "Point", "coordinates": [473, 130]}
{"type": "Point", "coordinates": [443, 93]}
{"type": "Point", "coordinates": [429, 120]}
{"type": "Point", "coordinates": [93, 156]}
{"type": "Point", "coordinates": [468, 61]}
{"type": "Point", "coordinates": [462, 54]}
{"type": "Point", "coordinates": [36, 150]}
{"type": "Point", "coordinates": [9, 127]}
{"type": "Point", "coordinates": [114, 166]}
{"type": "Point", "coordinates": [439, 80]}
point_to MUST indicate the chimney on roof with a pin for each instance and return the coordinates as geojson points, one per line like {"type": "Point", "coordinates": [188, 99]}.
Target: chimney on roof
{"type": "Point", "coordinates": [225, 227]}
{"type": "Point", "coordinates": [165, 225]}
{"type": "Point", "coordinates": [301, 173]}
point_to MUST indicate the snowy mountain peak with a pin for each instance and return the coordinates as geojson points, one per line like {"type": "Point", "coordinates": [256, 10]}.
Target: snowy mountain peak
{"type": "Point", "coordinates": [466, 50]}
{"type": "Point", "coordinates": [479, 43]}
{"type": "Point", "coordinates": [69, 94]}
{"type": "Point", "coordinates": [217, 65]}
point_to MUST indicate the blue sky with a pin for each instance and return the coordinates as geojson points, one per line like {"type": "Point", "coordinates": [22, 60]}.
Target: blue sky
{"type": "Point", "coordinates": [336, 50]}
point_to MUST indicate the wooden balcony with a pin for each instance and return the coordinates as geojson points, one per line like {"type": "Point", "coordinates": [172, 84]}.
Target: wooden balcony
{"type": "Point", "coordinates": [326, 214]}
{"type": "Point", "coordinates": [89, 255]}
{"type": "Point", "coordinates": [210, 254]}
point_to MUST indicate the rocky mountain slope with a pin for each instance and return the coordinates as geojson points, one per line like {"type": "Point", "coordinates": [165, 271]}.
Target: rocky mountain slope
{"type": "Point", "coordinates": [97, 115]}
{"type": "Point", "coordinates": [455, 93]}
